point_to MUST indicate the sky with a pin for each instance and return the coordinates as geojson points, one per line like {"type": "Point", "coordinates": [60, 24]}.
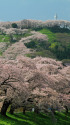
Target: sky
{"type": "Point", "coordinates": [15, 10]}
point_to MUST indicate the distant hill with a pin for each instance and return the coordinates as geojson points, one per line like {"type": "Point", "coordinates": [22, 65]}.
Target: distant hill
{"type": "Point", "coordinates": [36, 24]}
{"type": "Point", "coordinates": [46, 39]}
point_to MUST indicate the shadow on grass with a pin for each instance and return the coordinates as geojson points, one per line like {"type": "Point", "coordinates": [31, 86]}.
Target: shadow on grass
{"type": "Point", "coordinates": [63, 118]}
{"type": "Point", "coordinates": [13, 120]}
{"type": "Point", "coordinates": [31, 118]}
{"type": "Point", "coordinates": [38, 119]}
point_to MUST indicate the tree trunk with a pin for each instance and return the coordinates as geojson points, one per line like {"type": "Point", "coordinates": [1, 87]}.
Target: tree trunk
{"type": "Point", "coordinates": [5, 107]}
{"type": "Point", "coordinates": [53, 110]}
{"type": "Point", "coordinates": [24, 110]}
{"type": "Point", "coordinates": [66, 108]}
{"type": "Point", "coordinates": [11, 110]}
{"type": "Point", "coordinates": [36, 110]}
{"type": "Point", "coordinates": [54, 120]}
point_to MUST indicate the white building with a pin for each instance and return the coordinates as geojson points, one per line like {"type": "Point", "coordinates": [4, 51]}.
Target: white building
{"type": "Point", "coordinates": [55, 17]}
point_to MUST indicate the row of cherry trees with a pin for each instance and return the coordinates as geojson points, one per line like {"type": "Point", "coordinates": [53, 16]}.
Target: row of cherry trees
{"type": "Point", "coordinates": [38, 83]}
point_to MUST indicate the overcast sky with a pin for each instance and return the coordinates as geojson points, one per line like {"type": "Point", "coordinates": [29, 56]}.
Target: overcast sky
{"type": "Point", "coordinates": [15, 10]}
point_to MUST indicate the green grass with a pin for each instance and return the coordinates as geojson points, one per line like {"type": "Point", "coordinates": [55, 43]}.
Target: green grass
{"type": "Point", "coordinates": [60, 42]}
{"type": "Point", "coordinates": [63, 38]}
{"type": "Point", "coordinates": [43, 53]}
{"type": "Point", "coordinates": [31, 118]}
{"type": "Point", "coordinates": [50, 34]}
{"type": "Point", "coordinates": [4, 38]}
{"type": "Point", "coordinates": [19, 36]}
{"type": "Point", "coordinates": [66, 61]}
{"type": "Point", "coordinates": [0, 53]}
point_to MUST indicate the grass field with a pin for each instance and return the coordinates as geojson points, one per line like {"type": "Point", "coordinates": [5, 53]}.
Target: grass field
{"type": "Point", "coordinates": [63, 38]}
{"type": "Point", "coordinates": [31, 118]}
{"type": "Point", "coordinates": [50, 34]}
{"type": "Point", "coordinates": [59, 40]}
{"type": "Point", "coordinates": [6, 37]}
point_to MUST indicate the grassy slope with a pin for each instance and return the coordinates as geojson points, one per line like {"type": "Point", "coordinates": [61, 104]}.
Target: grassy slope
{"type": "Point", "coordinates": [50, 34]}
{"type": "Point", "coordinates": [8, 39]}
{"type": "Point", "coordinates": [35, 119]}
{"type": "Point", "coordinates": [59, 44]}
{"type": "Point", "coordinates": [61, 40]}
{"type": "Point", "coordinates": [4, 38]}
{"type": "Point", "coordinates": [57, 47]}
{"type": "Point", "coordinates": [40, 48]}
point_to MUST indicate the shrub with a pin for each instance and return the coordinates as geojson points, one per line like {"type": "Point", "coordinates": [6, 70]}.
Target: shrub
{"type": "Point", "coordinates": [14, 25]}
